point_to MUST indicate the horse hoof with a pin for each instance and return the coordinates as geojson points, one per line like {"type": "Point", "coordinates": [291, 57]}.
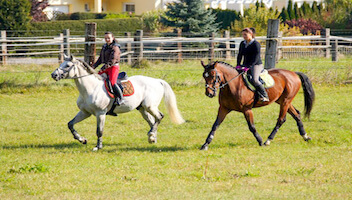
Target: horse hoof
{"type": "Point", "coordinates": [95, 149]}
{"type": "Point", "coordinates": [306, 138]}
{"type": "Point", "coordinates": [84, 141]}
{"type": "Point", "coordinates": [204, 147]}
{"type": "Point", "coordinates": [267, 143]}
{"type": "Point", "coordinates": [152, 140]}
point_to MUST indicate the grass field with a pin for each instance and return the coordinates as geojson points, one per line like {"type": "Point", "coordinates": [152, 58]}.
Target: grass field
{"type": "Point", "coordinates": [39, 159]}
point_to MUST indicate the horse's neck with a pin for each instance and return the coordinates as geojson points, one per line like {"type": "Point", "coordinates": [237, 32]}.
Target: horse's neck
{"type": "Point", "coordinates": [228, 72]}
{"type": "Point", "coordinates": [86, 84]}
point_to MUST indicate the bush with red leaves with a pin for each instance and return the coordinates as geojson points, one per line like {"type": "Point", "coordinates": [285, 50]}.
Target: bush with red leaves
{"type": "Point", "coordinates": [306, 26]}
{"type": "Point", "coordinates": [37, 10]}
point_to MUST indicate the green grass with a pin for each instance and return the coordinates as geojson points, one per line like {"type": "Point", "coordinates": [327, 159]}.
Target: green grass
{"type": "Point", "coordinates": [39, 159]}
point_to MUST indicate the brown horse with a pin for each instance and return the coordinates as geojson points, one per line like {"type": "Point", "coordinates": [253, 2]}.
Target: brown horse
{"type": "Point", "coordinates": [234, 95]}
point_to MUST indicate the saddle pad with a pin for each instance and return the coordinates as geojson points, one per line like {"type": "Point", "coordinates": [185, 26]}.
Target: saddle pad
{"type": "Point", "coordinates": [265, 77]}
{"type": "Point", "coordinates": [126, 86]}
{"type": "Point", "coordinates": [128, 89]}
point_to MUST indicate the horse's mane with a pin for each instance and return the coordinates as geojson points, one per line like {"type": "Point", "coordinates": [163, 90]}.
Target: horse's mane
{"type": "Point", "coordinates": [89, 69]}
{"type": "Point", "coordinates": [226, 64]}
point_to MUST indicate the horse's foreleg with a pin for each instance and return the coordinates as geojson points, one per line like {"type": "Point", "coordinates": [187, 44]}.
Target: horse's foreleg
{"type": "Point", "coordinates": [296, 115]}
{"type": "Point", "coordinates": [281, 120]}
{"type": "Point", "coordinates": [248, 114]}
{"type": "Point", "coordinates": [78, 118]}
{"type": "Point", "coordinates": [219, 119]}
{"type": "Point", "coordinates": [100, 128]}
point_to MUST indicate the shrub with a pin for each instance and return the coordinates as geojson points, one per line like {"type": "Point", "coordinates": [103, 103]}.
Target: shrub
{"type": "Point", "coordinates": [306, 26]}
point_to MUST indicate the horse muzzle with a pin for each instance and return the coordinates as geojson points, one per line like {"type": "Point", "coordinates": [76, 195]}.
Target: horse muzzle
{"type": "Point", "coordinates": [56, 76]}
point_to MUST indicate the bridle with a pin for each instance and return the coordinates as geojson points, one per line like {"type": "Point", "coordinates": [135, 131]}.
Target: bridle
{"type": "Point", "coordinates": [218, 80]}
{"type": "Point", "coordinates": [65, 71]}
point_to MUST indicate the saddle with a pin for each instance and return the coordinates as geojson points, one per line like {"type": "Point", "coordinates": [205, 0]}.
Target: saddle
{"type": "Point", "coordinates": [123, 83]}
{"type": "Point", "coordinates": [265, 78]}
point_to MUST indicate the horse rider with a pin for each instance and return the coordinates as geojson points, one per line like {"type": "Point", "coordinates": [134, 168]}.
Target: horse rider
{"type": "Point", "coordinates": [110, 57]}
{"type": "Point", "coordinates": [250, 50]}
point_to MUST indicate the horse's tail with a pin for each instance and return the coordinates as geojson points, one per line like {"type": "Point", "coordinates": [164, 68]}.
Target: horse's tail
{"type": "Point", "coordinates": [171, 104]}
{"type": "Point", "coordinates": [309, 94]}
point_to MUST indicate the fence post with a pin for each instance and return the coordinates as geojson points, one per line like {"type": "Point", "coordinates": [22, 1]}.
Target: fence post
{"type": "Point", "coordinates": [61, 48]}
{"type": "Point", "coordinates": [335, 51]}
{"type": "Point", "coordinates": [326, 35]}
{"type": "Point", "coordinates": [211, 46]}
{"type": "Point", "coordinates": [138, 45]}
{"type": "Point", "coordinates": [90, 46]}
{"type": "Point", "coordinates": [66, 41]}
{"type": "Point", "coordinates": [271, 43]}
{"type": "Point", "coordinates": [128, 48]}
{"type": "Point", "coordinates": [227, 45]}
{"type": "Point", "coordinates": [3, 58]}
{"type": "Point", "coordinates": [179, 45]}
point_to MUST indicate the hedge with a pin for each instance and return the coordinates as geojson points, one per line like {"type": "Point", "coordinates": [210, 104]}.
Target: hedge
{"type": "Point", "coordinates": [117, 26]}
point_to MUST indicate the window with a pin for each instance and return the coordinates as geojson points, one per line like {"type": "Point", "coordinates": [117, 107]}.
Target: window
{"type": "Point", "coordinates": [86, 7]}
{"type": "Point", "coordinates": [129, 7]}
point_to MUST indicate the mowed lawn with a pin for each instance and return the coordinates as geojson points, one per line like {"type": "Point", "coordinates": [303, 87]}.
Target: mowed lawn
{"type": "Point", "coordinates": [39, 159]}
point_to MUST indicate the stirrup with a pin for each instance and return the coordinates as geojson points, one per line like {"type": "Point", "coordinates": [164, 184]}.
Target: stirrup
{"type": "Point", "coordinates": [264, 99]}
{"type": "Point", "coordinates": [111, 113]}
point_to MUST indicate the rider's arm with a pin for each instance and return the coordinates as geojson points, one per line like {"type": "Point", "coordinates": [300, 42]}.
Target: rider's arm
{"type": "Point", "coordinates": [98, 62]}
{"type": "Point", "coordinates": [240, 54]}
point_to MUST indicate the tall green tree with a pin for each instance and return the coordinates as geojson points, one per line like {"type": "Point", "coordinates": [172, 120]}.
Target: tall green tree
{"type": "Point", "coordinates": [284, 15]}
{"type": "Point", "coordinates": [15, 15]}
{"type": "Point", "coordinates": [191, 16]}
{"type": "Point", "coordinates": [296, 11]}
{"type": "Point", "coordinates": [290, 10]}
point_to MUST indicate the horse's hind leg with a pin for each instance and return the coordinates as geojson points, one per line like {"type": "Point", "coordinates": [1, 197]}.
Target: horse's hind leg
{"type": "Point", "coordinates": [296, 115]}
{"type": "Point", "coordinates": [158, 116]}
{"type": "Point", "coordinates": [78, 118]}
{"type": "Point", "coordinates": [281, 120]}
{"type": "Point", "coordinates": [151, 121]}
{"type": "Point", "coordinates": [250, 121]}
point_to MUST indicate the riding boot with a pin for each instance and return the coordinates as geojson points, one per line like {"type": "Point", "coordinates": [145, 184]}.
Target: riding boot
{"type": "Point", "coordinates": [117, 101]}
{"type": "Point", "coordinates": [118, 94]}
{"type": "Point", "coordinates": [263, 95]}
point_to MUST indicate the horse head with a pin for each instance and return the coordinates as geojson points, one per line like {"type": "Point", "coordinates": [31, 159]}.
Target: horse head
{"type": "Point", "coordinates": [66, 69]}
{"type": "Point", "coordinates": [212, 79]}
{"type": "Point", "coordinates": [70, 69]}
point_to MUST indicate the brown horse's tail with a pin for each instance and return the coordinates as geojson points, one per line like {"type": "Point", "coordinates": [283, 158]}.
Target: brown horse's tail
{"type": "Point", "coordinates": [309, 94]}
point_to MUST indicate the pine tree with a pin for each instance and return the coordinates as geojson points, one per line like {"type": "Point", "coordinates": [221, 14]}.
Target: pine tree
{"type": "Point", "coordinates": [290, 10]}
{"type": "Point", "coordinates": [284, 15]}
{"type": "Point", "coordinates": [296, 11]}
{"type": "Point", "coordinates": [190, 16]}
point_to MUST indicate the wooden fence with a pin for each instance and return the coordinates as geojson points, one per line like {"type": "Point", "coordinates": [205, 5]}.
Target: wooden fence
{"type": "Point", "coordinates": [136, 47]}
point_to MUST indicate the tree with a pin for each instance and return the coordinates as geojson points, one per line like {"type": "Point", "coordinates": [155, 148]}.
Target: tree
{"type": "Point", "coordinates": [290, 10]}
{"type": "Point", "coordinates": [14, 15]}
{"type": "Point", "coordinates": [296, 11]}
{"type": "Point", "coordinates": [190, 16]}
{"type": "Point", "coordinates": [257, 19]}
{"type": "Point", "coordinates": [284, 15]}
{"type": "Point", "coordinates": [37, 10]}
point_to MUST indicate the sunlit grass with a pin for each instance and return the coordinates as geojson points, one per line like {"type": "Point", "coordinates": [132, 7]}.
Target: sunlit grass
{"type": "Point", "coordinates": [39, 159]}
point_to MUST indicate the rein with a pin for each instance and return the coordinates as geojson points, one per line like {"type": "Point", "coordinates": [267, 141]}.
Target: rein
{"type": "Point", "coordinates": [223, 85]}
{"type": "Point", "coordinates": [77, 77]}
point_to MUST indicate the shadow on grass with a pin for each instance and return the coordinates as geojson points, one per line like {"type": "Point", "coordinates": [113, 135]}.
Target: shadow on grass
{"type": "Point", "coordinates": [44, 146]}
{"type": "Point", "coordinates": [151, 149]}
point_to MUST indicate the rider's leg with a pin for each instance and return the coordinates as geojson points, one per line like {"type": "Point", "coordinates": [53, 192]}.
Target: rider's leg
{"type": "Point", "coordinates": [256, 70]}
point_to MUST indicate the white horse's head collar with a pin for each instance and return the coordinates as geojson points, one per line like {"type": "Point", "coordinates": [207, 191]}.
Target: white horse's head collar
{"type": "Point", "coordinates": [67, 69]}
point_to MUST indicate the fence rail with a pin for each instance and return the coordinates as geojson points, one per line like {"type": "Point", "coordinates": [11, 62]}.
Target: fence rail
{"type": "Point", "coordinates": [136, 47]}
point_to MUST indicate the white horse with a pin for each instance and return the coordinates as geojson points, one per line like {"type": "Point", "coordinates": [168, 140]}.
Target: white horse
{"type": "Point", "coordinates": [94, 99]}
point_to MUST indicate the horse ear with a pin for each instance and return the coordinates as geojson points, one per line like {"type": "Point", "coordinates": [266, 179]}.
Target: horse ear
{"type": "Point", "coordinates": [66, 57]}
{"type": "Point", "coordinates": [201, 62]}
{"type": "Point", "coordinates": [72, 58]}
